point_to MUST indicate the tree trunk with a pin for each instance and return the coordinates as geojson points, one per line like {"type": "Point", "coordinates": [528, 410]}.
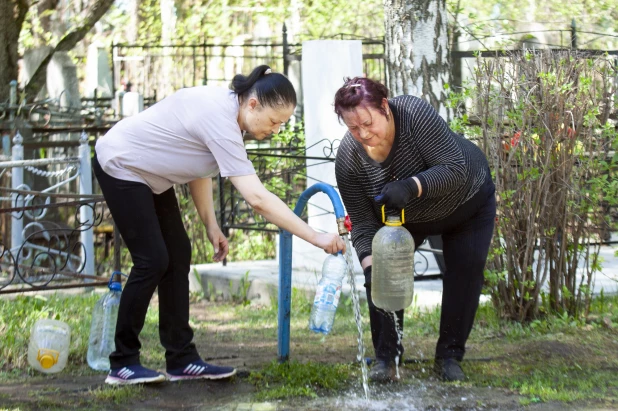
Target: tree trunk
{"type": "Point", "coordinates": [12, 14]}
{"type": "Point", "coordinates": [99, 8]}
{"type": "Point", "coordinates": [44, 8]}
{"type": "Point", "coordinates": [416, 46]}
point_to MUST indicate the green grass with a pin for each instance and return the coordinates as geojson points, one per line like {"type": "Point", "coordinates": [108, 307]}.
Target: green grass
{"type": "Point", "coordinates": [295, 379]}
{"type": "Point", "coordinates": [117, 395]}
{"type": "Point", "coordinates": [554, 358]}
{"type": "Point", "coordinates": [18, 315]}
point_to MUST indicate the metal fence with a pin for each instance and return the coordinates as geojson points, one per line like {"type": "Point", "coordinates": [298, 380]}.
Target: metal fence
{"type": "Point", "coordinates": [158, 70]}
{"type": "Point", "coordinates": [49, 212]}
{"type": "Point", "coordinates": [48, 254]}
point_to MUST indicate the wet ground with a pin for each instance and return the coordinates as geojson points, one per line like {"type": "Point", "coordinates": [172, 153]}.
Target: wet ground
{"type": "Point", "coordinates": [236, 395]}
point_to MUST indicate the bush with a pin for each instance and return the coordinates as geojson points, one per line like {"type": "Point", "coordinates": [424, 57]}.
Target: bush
{"type": "Point", "coordinates": [543, 120]}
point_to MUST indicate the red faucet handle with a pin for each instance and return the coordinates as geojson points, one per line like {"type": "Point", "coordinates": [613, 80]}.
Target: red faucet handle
{"type": "Point", "coordinates": [348, 223]}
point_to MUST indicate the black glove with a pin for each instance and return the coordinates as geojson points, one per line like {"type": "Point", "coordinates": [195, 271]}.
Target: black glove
{"type": "Point", "coordinates": [398, 193]}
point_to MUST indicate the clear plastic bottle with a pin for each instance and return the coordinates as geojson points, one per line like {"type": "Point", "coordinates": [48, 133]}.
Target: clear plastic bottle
{"type": "Point", "coordinates": [327, 294]}
{"type": "Point", "coordinates": [392, 274]}
{"type": "Point", "coordinates": [103, 328]}
{"type": "Point", "coordinates": [48, 349]}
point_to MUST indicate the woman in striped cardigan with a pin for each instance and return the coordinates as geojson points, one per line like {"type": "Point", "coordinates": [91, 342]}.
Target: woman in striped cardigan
{"type": "Point", "coordinates": [400, 153]}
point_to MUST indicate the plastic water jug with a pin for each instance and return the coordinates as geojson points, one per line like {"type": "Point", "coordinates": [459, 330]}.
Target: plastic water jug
{"type": "Point", "coordinates": [48, 349]}
{"type": "Point", "coordinates": [327, 294]}
{"type": "Point", "coordinates": [103, 327]}
{"type": "Point", "coordinates": [392, 274]}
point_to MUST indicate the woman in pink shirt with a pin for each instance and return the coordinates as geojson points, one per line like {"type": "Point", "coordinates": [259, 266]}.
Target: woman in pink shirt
{"type": "Point", "coordinates": [189, 137]}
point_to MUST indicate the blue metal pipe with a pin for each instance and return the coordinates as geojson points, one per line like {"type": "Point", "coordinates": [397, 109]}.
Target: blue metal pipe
{"type": "Point", "coordinates": [323, 188]}
{"type": "Point", "coordinates": [285, 264]}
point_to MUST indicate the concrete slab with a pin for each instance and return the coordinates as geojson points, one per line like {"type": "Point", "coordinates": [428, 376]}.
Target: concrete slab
{"type": "Point", "coordinates": [259, 281]}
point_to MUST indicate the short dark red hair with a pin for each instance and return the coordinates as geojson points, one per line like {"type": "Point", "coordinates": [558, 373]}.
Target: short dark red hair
{"type": "Point", "coordinates": [360, 91]}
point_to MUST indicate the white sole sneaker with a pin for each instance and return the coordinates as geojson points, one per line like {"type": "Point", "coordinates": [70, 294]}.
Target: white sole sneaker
{"type": "Point", "coordinates": [171, 377]}
{"type": "Point", "coordinates": [119, 381]}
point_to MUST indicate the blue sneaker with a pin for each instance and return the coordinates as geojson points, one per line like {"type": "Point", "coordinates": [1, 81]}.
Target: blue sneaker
{"type": "Point", "coordinates": [200, 370]}
{"type": "Point", "coordinates": [133, 374]}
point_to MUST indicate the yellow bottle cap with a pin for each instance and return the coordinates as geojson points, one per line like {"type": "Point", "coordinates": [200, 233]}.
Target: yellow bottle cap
{"type": "Point", "coordinates": [47, 358]}
{"type": "Point", "coordinates": [393, 223]}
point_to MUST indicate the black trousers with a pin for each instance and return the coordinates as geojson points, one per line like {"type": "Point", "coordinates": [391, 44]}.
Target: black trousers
{"type": "Point", "coordinates": [152, 229]}
{"type": "Point", "coordinates": [466, 237]}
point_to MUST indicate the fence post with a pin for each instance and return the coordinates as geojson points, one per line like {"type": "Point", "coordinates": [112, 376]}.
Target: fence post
{"type": "Point", "coordinates": [17, 181]}
{"type": "Point", "coordinates": [616, 77]}
{"type": "Point", "coordinates": [12, 99]}
{"type": "Point", "coordinates": [205, 80]}
{"type": "Point", "coordinates": [6, 139]}
{"type": "Point", "coordinates": [113, 70]}
{"type": "Point", "coordinates": [194, 65]}
{"type": "Point", "coordinates": [573, 34]}
{"type": "Point", "coordinates": [86, 210]}
{"type": "Point", "coordinates": [286, 51]}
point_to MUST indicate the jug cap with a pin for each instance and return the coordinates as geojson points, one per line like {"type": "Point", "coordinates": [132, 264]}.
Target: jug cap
{"type": "Point", "coordinates": [393, 223]}
{"type": "Point", "coordinates": [47, 361]}
{"type": "Point", "coordinates": [114, 283]}
{"type": "Point", "coordinates": [47, 358]}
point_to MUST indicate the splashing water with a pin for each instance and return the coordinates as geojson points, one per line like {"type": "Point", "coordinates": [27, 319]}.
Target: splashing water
{"type": "Point", "coordinates": [399, 336]}
{"type": "Point", "coordinates": [357, 315]}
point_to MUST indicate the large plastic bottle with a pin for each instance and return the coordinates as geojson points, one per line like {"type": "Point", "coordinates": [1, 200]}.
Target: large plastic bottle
{"type": "Point", "coordinates": [392, 274]}
{"type": "Point", "coordinates": [327, 294]}
{"type": "Point", "coordinates": [48, 349]}
{"type": "Point", "coordinates": [103, 328]}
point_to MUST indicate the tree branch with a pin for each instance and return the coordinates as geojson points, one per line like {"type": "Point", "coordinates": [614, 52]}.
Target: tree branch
{"type": "Point", "coordinates": [67, 43]}
{"type": "Point", "coordinates": [22, 10]}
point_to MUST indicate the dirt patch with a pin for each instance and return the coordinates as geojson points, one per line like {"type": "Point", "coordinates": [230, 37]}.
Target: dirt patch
{"type": "Point", "coordinates": [81, 393]}
{"type": "Point", "coordinates": [548, 350]}
{"type": "Point", "coordinates": [236, 394]}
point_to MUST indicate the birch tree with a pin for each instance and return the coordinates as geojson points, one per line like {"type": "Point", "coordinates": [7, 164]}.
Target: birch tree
{"type": "Point", "coordinates": [416, 48]}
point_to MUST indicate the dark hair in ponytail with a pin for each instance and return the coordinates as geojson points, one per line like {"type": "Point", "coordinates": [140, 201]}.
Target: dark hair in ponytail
{"type": "Point", "coordinates": [272, 89]}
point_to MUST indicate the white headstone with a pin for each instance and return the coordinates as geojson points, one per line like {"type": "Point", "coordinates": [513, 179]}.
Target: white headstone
{"type": "Point", "coordinates": [325, 63]}
{"type": "Point", "coordinates": [62, 81]}
{"type": "Point", "coordinates": [32, 60]}
{"type": "Point", "coordinates": [294, 75]}
{"type": "Point", "coordinates": [98, 72]}
{"type": "Point", "coordinates": [132, 103]}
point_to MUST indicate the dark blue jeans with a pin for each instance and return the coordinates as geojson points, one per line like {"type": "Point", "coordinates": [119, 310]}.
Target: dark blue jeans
{"type": "Point", "coordinates": [466, 238]}
{"type": "Point", "coordinates": [152, 229]}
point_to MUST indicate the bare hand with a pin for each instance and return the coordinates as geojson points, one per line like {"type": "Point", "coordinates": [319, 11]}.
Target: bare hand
{"type": "Point", "coordinates": [219, 243]}
{"type": "Point", "coordinates": [330, 243]}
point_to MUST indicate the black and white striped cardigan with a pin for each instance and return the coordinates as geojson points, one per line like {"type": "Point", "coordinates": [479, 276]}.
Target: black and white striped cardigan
{"type": "Point", "coordinates": [451, 170]}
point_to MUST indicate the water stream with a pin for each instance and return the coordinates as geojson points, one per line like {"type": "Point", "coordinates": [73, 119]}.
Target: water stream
{"type": "Point", "coordinates": [399, 336]}
{"type": "Point", "coordinates": [357, 315]}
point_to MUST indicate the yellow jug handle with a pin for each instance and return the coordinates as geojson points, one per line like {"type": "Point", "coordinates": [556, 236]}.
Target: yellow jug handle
{"type": "Point", "coordinates": [403, 216]}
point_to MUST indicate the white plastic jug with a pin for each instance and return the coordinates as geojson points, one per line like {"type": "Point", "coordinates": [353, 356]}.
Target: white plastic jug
{"type": "Point", "coordinates": [392, 275]}
{"type": "Point", "coordinates": [48, 350]}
